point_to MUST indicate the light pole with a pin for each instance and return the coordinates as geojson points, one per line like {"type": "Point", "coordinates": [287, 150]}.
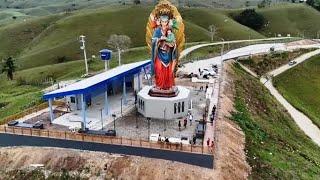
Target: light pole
{"type": "Point", "coordinates": [114, 121]}
{"type": "Point", "coordinates": [121, 106]}
{"type": "Point", "coordinates": [222, 49]}
{"type": "Point", "coordinates": [101, 119]}
{"type": "Point", "coordinates": [164, 119]}
{"type": "Point", "coordinates": [148, 126]}
{"type": "Point", "coordinates": [83, 47]}
{"type": "Point", "coordinates": [136, 115]}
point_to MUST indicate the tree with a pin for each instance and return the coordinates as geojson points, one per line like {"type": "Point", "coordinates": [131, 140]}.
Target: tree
{"type": "Point", "coordinates": [314, 3]}
{"type": "Point", "coordinates": [9, 67]}
{"type": "Point", "coordinates": [251, 18]}
{"type": "Point", "coordinates": [136, 2]}
{"type": "Point", "coordinates": [213, 30]}
{"type": "Point", "coordinates": [247, 3]}
{"type": "Point", "coordinates": [119, 43]}
{"type": "Point", "coordinates": [264, 3]}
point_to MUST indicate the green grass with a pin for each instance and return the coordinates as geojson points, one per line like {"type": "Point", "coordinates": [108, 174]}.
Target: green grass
{"type": "Point", "coordinates": [17, 98]}
{"type": "Point", "coordinates": [301, 87]}
{"type": "Point", "coordinates": [295, 19]}
{"type": "Point", "coordinates": [227, 27]}
{"type": "Point", "coordinates": [63, 34]}
{"type": "Point", "coordinates": [16, 37]}
{"type": "Point", "coordinates": [263, 64]}
{"type": "Point", "coordinates": [276, 148]}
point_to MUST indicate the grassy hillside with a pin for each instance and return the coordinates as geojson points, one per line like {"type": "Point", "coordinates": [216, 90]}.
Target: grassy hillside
{"type": "Point", "coordinates": [16, 37]}
{"type": "Point", "coordinates": [301, 87]}
{"type": "Point", "coordinates": [276, 148]}
{"type": "Point", "coordinates": [227, 27]}
{"type": "Point", "coordinates": [97, 25]}
{"type": "Point", "coordinates": [49, 37]}
{"type": "Point", "coordinates": [294, 19]}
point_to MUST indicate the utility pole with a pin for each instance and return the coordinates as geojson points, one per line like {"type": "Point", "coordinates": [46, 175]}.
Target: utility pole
{"type": "Point", "coordinates": [119, 56]}
{"type": "Point", "coordinates": [83, 47]}
{"type": "Point", "coordinates": [222, 50]}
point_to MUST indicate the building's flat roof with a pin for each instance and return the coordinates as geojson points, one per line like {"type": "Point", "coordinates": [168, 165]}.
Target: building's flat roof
{"type": "Point", "coordinates": [98, 81]}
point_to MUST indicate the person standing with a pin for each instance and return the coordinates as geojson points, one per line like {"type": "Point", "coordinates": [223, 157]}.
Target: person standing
{"type": "Point", "coordinates": [190, 119]}
{"type": "Point", "coordinates": [185, 123]}
{"type": "Point", "coordinates": [212, 146]}
{"type": "Point", "coordinates": [179, 125]}
{"type": "Point", "coordinates": [194, 139]}
{"type": "Point", "coordinates": [68, 107]}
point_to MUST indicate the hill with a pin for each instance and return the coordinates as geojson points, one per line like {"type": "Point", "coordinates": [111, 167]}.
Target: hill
{"type": "Point", "coordinates": [301, 87]}
{"type": "Point", "coordinates": [295, 19]}
{"type": "Point", "coordinates": [275, 146]}
{"type": "Point", "coordinates": [99, 24]}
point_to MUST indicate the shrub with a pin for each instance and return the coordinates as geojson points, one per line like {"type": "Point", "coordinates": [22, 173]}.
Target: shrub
{"type": "Point", "coordinates": [251, 18]}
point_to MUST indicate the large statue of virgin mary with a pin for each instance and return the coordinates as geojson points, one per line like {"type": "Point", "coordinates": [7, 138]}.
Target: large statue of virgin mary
{"type": "Point", "coordinates": [165, 38]}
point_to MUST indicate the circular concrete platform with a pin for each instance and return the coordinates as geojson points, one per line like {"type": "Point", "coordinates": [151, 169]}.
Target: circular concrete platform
{"type": "Point", "coordinates": [164, 107]}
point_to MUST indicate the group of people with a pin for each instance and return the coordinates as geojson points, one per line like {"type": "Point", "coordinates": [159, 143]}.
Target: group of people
{"type": "Point", "coordinates": [185, 121]}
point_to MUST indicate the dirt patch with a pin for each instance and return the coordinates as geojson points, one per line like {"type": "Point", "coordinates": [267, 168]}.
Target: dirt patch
{"type": "Point", "coordinates": [230, 158]}
{"type": "Point", "coordinates": [92, 165]}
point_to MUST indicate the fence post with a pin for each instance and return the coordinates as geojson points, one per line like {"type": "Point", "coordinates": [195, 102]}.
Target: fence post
{"type": "Point", "coordinates": [30, 131]}
{"type": "Point", "coordinates": [65, 134]}
{"type": "Point", "coordinates": [191, 147]}
{"type": "Point", "coordinates": [82, 137]}
{"type": "Point", "coordinates": [121, 140]}
{"type": "Point", "coordinates": [48, 132]}
{"type": "Point", "coordinates": [13, 130]}
{"type": "Point", "coordinates": [21, 131]}
{"type": "Point", "coordinates": [5, 129]}
{"type": "Point", "coordinates": [101, 139]}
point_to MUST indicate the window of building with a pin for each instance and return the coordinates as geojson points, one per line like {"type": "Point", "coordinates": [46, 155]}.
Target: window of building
{"type": "Point", "coordinates": [175, 108]}
{"type": "Point", "coordinates": [179, 107]}
{"type": "Point", "coordinates": [182, 106]}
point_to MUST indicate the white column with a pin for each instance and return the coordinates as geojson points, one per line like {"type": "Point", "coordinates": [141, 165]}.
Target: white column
{"type": "Point", "coordinates": [139, 82]}
{"type": "Point", "coordinates": [124, 91]}
{"type": "Point", "coordinates": [106, 103]}
{"type": "Point", "coordinates": [119, 56]}
{"type": "Point", "coordinates": [51, 111]}
{"type": "Point", "coordinates": [83, 104]}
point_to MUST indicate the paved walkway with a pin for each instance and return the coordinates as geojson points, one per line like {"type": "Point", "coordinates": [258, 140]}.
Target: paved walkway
{"type": "Point", "coordinates": [202, 160]}
{"type": "Point", "coordinates": [302, 120]}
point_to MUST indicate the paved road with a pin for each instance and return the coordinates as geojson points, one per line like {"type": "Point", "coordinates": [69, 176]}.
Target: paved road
{"type": "Point", "coordinates": [190, 49]}
{"type": "Point", "coordinates": [302, 120]}
{"type": "Point", "coordinates": [201, 160]}
{"type": "Point", "coordinates": [304, 123]}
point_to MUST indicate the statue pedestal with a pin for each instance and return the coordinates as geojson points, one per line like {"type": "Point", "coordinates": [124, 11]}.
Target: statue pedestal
{"type": "Point", "coordinates": [164, 107]}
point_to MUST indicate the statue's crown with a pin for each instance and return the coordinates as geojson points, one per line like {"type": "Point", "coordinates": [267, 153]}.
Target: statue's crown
{"type": "Point", "coordinates": [164, 8]}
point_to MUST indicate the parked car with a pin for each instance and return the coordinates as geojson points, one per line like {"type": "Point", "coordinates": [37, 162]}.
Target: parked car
{"type": "Point", "coordinates": [291, 63]}
{"type": "Point", "coordinates": [199, 131]}
{"type": "Point", "coordinates": [111, 132]}
{"type": "Point", "coordinates": [38, 126]}
{"type": "Point", "coordinates": [185, 140]}
{"type": "Point", "coordinates": [174, 140]}
{"type": "Point", "coordinates": [208, 72]}
{"type": "Point", "coordinates": [13, 123]}
{"type": "Point", "coordinates": [154, 137]}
